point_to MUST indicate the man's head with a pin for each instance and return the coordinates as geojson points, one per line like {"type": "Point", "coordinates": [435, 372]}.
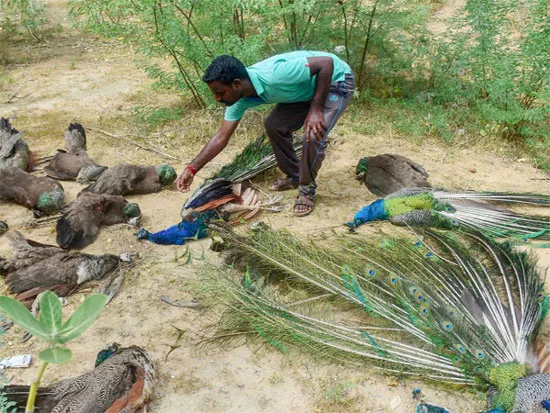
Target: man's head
{"type": "Point", "coordinates": [224, 77]}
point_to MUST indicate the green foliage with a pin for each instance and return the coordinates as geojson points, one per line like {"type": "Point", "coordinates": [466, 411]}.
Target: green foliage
{"type": "Point", "coordinates": [487, 75]}
{"type": "Point", "coordinates": [50, 328]}
{"type": "Point", "coordinates": [29, 14]}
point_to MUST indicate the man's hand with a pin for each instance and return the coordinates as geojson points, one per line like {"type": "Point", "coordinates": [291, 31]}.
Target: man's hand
{"type": "Point", "coordinates": [315, 123]}
{"type": "Point", "coordinates": [185, 180]}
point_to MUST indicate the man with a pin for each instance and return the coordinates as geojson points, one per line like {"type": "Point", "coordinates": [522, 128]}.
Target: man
{"type": "Point", "coordinates": [311, 89]}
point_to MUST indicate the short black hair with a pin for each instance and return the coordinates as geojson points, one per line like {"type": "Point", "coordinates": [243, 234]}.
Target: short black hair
{"type": "Point", "coordinates": [225, 69]}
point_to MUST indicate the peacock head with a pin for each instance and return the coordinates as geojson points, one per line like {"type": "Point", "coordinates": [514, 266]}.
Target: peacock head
{"type": "Point", "coordinates": [3, 227]}
{"type": "Point", "coordinates": [49, 202]}
{"type": "Point", "coordinates": [166, 174]}
{"type": "Point", "coordinates": [361, 169]}
{"type": "Point", "coordinates": [132, 212]}
{"type": "Point", "coordinates": [107, 352]}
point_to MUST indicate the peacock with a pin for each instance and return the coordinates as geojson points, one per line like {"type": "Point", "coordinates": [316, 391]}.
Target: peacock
{"type": "Point", "coordinates": [82, 218]}
{"type": "Point", "coordinates": [124, 179]}
{"type": "Point", "coordinates": [220, 189]}
{"type": "Point", "coordinates": [74, 162]}
{"type": "Point", "coordinates": [122, 381]}
{"type": "Point", "coordinates": [223, 197]}
{"type": "Point", "coordinates": [34, 268]}
{"type": "Point", "coordinates": [42, 195]}
{"type": "Point", "coordinates": [482, 211]}
{"type": "Point", "coordinates": [447, 308]}
{"type": "Point", "coordinates": [14, 151]}
{"type": "Point", "coordinates": [388, 173]}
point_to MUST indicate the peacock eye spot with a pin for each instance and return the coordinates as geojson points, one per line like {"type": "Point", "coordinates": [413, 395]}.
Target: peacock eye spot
{"type": "Point", "coordinates": [371, 272]}
{"type": "Point", "coordinates": [425, 311]}
{"type": "Point", "coordinates": [480, 355]}
{"type": "Point", "coordinates": [453, 222]}
{"type": "Point", "coordinates": [418, 244]}
{"type": "Point", "coordinates": [429, 254]}
{"type": "Point", "coordinates": [449, 209]}
{"type": "Point", "coordinates": [448, 326]}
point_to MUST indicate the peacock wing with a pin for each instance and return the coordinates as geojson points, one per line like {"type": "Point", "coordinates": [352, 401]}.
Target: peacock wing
{"type": "Point", "coordinates": [59, 269]}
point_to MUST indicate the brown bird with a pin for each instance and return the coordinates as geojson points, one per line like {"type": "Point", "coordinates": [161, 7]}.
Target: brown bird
{"type": "Point", "coordinates": [123, 179]}
{"type": "Point", "coordinates": [121, 382]}
{"type": "Point", "coordinates": [74, 163]}
{"type": "Point", "coordinates": [26, 252]}
{"type": "Point", "coordinates": [82, 218]}
{"type": "Point", "coordinates": [13, 149]}
{"type": "Point", "coordinates": [40, 194]}
{"type": "Point", "coordinates": [388, 173]}
{"type": "Point", "coordinates": [34, 267]}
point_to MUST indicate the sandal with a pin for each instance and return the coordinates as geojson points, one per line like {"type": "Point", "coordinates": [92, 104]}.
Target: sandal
{"type": "Point", "coordinates": [284, 184]}
{"type": "Point", "coordinates": [304, 201]}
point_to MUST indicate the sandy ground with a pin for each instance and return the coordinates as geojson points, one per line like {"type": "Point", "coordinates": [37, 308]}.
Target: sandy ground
{"type": "Point", "coordinates": [76, 77]}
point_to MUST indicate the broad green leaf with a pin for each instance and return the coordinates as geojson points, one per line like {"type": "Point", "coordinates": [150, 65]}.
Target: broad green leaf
{"type": "Point", "coordinates": [22, 317]}
{"type": "Point", "coordinates": [50, 312]}
{"type": "Point", "coordinates": [56, 355]}
{"type": "Point", "coordinates": [82, 318]}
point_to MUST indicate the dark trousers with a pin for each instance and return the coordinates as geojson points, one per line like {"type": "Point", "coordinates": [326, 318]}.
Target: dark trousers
{"type": "Point", "coordinates": [288, 117]}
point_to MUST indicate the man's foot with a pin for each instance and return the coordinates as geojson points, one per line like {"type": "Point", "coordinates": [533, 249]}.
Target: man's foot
{"type": "Point", "coordinates": [284, 184]}
{"type": "Point", "coordinates": [303, 205]}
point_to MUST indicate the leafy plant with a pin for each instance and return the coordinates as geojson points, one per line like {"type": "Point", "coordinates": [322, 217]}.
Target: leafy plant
{"type": "Point", "coordinates": [50, 328]}
{"type": "Point", "coordinates": [28, 13]}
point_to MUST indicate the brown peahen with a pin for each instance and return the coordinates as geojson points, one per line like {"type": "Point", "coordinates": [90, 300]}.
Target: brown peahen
{"type": "Point", "coordinates": [34, 268]}
{"type": "Point", "coordinates": [124, 179]}
{"type": "Point", "coordinates": [122, 381]}
{"type": "Point", "coordinates": [387, 173]}
{"type": "Point", "coordinates": [40, 194]}
{"type": "Point", "coordinates": [448, 309]}
{"type": "Point", "coordinates": [13, 149]}
{"type": "Point", "coordinates": [82, 218]}
{"type": "Point", "coordinates": [74, 162]}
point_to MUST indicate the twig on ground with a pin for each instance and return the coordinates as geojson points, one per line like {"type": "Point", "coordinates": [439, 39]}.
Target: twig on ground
{"type": "Point", "coordinates": [15, 94]}
{"type": "Point", "coordinates": [177, 303]}
{"type": "Point", "coordinates": [137, 144]}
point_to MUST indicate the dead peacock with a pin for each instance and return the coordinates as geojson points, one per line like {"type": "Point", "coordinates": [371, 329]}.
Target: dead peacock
{"type": "Point", "coordinates": [122, 381]}
{"type": "Point", "coordinates": [388, 173]}
{"type": "Point", "coordinates": [225, 196]}
{"type": "Point", "coordinates": [42, 195]}
{"type": "Point", "coordinates": [34, 268]}
{"type": "Point", "coordinates": [74, 162]}
{"type": "Point", "coordinates": [482, 211]}
{"type": "Point", "coordinates": [448, 309]}
{"type": "Point", "coordinates": [82, 218]}
{"type": "Point", "coordinates": [124, 179]}
{"type": "Point", "coordinates": [13, 149]}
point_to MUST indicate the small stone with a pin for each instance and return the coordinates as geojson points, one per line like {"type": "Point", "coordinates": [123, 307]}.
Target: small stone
{"type": "Point", "coordinates": [391, 381]}
{"type": "Point", "coordinates": [395, 403]}
{"type": "Point", "coordinates": [473, 170]}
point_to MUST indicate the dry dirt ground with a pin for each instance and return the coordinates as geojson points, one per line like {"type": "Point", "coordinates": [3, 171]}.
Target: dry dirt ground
{"type": "Point", "coordinates": [77, 77]}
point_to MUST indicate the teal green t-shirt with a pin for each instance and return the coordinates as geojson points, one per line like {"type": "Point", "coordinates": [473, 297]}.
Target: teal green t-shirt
{"type": "Point", "coordinates": [284, 78]}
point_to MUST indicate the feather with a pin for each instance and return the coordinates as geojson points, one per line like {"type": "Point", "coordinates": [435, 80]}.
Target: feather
{"type": "Point", "coordinates": [468, 210]}
{"type": "Point", "coordinates": [458, 309]}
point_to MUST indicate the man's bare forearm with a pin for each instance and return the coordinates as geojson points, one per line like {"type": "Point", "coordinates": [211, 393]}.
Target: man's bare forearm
{"type": "Point", "coordinates": [215, 145]}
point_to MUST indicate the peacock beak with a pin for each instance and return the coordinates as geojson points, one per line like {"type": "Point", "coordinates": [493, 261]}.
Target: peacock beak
{"type": "Point", "coordinates": [360, 176]}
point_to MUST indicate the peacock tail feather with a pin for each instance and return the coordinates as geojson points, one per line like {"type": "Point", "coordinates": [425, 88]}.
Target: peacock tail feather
{"type": "Point", "coordinates": [463, 305]}
{"type": "Point", "coordinates": [255, 158]}
{"type": "Point", "coordinates": [467, 210]}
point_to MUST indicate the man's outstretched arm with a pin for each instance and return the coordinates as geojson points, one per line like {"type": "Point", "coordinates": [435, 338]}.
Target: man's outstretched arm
{"type": "Point", "coordinates": [323, 67]}
{"type": "Point", "coordinates": [210, 151]}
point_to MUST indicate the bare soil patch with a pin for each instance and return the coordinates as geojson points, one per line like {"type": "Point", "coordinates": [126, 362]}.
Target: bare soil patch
{"type": "Point", "coordinates": [78, 77]}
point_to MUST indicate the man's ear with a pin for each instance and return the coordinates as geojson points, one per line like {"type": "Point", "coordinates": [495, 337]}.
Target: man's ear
{"type": "Point", "coordinates": [237, 84]}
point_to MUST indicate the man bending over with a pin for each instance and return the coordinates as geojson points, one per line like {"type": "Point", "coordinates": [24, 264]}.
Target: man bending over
{"type": "Point", "coordinates": [310, 89]}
